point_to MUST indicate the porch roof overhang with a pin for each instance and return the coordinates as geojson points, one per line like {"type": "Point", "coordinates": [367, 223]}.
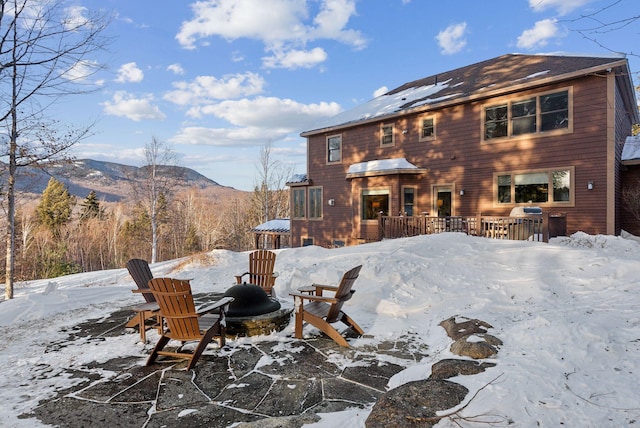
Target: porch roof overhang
{"type": "Point", "coordinates": [383, 167]}
{"type": "Point", "coordinates": [631, 151]}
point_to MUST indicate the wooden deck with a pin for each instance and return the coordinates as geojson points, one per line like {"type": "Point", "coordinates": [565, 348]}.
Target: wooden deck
{"type": "Point", "coordinates": [532, 228]}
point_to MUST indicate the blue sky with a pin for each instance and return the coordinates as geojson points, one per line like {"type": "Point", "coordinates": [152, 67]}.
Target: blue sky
{"type": "Point", "coordinates": [218, 79]}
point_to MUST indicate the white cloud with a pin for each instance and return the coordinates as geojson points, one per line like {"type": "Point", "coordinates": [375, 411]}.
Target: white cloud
{"type": "Point", "coordinates": [223, 137]}
{"type": "Point", "coordinates": [452, 39]}
{"type": "Point", "coordinates": [129, 72]}
{"type": "Point", "coordinates": [562, 6]}
{"type": "Point", "coordinates": [176, 69]}
{"type": "Point", "coordinates": [82, 70]}
{"type": "Point", "coordinates": [539, 35]}
{"type": "Point", "coordinates": [380, 91]}
{"type": "Point", "coordinates": [270, 112]}
{"type": "Point", "coordinates": [206, 89]}
{"type": "Point", "coordinates": [282, 25]}
{"type": "Point", "coordinates": [126, 105]}
{"type": "Point", "coordinates": [75, 17]}
{"type": "Point", "coordinates": [295, 59]}
{"type": "Point", "coordinates": [331, 21]}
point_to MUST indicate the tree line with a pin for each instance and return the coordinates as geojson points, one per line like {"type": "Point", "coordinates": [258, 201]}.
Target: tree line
{"type": "Point", "coordinates": [59, 235]}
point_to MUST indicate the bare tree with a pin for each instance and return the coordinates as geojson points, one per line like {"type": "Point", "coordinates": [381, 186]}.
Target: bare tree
{"type": "Point", "coordinates": [45, 54]}
{"type": "Point", "coordinates": [270, 197]}
{"type": "Point", "coordinates": [159, 177]}
{"type": "Point", "coordinates": [596, 24]}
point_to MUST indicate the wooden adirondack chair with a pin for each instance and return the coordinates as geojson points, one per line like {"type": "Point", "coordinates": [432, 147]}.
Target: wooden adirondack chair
{"type": "Point", "coordinates": [321, 311]}
{"type": "Point", "coordinates": [183, 322]}
{"type": "Point", "coordinates": [261, 265]}
{"type": "Point", "coordinates": [141, 274]}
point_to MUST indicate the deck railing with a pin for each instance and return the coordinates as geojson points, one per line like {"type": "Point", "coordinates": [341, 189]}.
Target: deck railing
{"type": "Point", "coordinates": [533, 228]}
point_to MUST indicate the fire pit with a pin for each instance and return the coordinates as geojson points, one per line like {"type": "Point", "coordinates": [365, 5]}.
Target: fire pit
{"type": "Point", "coordinates": [253, 313]}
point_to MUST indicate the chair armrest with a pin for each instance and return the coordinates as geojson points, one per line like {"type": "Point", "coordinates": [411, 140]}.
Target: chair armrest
{"type": "Point", "coordinates": [239, 277]}
{"type": "Point", "coordinates": [215, 305]}
{"type": "Point", "coordinates": [315, 298]}
{"type": "Point", "coordinates": [325, 287]}
{"type": "Point", "coordinates": [137, 290]}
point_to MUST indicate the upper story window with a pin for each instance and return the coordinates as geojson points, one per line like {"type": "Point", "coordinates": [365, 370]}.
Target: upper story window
{"type": "Point", "coordinates": [427, 129]}
{"type": "Point", "coordinates": [541, 113]}
{"type": "Point", "coordinates": [298, 202]}
{"type": "Point", "coordinates": [334, 148]}
{"type": "Point", "coordinates": [315, 202]}
{"type": "Point", "coordinates": [387, 135]}
{"type": "Point", "coordinates": [553, 187]}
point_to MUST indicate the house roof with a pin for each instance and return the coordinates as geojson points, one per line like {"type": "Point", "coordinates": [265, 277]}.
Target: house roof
{"type": "Point", "coordinates": [500, 75]}
{"type": "Point", "coordinates": [383, 167]}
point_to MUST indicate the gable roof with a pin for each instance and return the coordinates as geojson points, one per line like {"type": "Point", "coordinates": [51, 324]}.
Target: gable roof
{"type": "Point", "coordinates": [504, 74]}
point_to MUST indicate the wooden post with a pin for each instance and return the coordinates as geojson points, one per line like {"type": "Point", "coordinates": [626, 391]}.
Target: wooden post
{"type": "Point", "coordinates": [545, 226]}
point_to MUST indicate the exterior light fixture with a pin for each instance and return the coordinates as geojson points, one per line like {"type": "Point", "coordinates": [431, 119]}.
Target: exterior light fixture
{"type": "Point", "coordinates": [461, 192]}
{"type": "Point", "coordinates": [331, 202]}
{"type": "Point", "coordinates": [590, 185]}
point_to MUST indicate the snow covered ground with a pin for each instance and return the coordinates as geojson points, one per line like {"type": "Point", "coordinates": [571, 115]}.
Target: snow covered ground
{"type": "Point", "coordinates": [568, 313]}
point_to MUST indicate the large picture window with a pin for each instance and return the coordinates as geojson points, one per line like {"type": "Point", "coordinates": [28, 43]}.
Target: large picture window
{"type": "Point", "coordinates": [315, 202]}
{"type": "Point", "coordinates": [298, 202]}
{"type": "Point", "coordinates": [374, 202]}
{"type": "Point", "coordinates": [334, 148]}
{"type": "Point", "coordinates": [541, 187]}
{"type": "Point", "coordinates": [542, 113]}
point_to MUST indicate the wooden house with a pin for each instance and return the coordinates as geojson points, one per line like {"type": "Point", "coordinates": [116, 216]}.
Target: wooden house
{"type": "Point", "coordinates": [517, 130]}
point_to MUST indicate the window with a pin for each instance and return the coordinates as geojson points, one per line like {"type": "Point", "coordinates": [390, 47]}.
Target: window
{"type": "Point", "coordinates": [315, 202]}
{"type": "Point", "coordinates": [428, 129]}
{"type": "Point", "coordinates": [387, 135]}
{"type": "Point", "coordinates": [535, 187]}
{"type": "Point", "coordinates": [408, 197]}
{"type": "Point", "coordinates": [542, 113]}
{"type": "Point", "coordinates": [298, 203]}
{"type": "Point", "coordinates": [374, 202]}
{"type": "Point", "coordinates": [334, 148]}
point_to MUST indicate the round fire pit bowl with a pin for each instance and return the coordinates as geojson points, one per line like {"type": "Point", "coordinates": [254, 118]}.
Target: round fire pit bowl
{"type": "Point", "coordinates": [253, 313]}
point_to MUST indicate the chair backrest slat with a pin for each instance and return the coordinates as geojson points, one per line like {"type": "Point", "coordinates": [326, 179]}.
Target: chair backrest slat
{"type": "Point", "coordinates": [343, 293]}
{"type": "Point", "coordinates": [177, 307]}
{"type": "Point", "coordinates": [141, 274]}
{"type": "Point", "coordinates": [261, 265]}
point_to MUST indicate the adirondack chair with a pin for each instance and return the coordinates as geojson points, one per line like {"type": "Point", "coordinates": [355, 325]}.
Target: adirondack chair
{"type": "Point", "coordinates": [183, 322]}
{"type": "Point", "coordinates": [261, 265]}
{"type": "Point", "coordinates": [322, 311]}
{"type": "Point", "coordinates": [141, 274]}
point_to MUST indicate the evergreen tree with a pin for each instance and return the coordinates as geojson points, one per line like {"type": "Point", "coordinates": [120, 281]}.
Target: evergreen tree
{"type": "Point", "coordinates": [91, 207]}
{"type": "Point", "coordinates": [55, 207]}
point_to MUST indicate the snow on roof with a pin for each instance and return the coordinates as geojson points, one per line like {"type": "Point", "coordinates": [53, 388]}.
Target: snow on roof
{"type": "Point", "coordinates": [499, 74]}
{"type": "Point", "coordinates": [298, 178]}
{"type": "Point", "coordinates": [384, 105]}
{"type": "Point", "coordinates": [380, 166]}
{"type": "Point", "coordinates": [279, 225]}
{"type": "Point", "coordinates": [631, 149]}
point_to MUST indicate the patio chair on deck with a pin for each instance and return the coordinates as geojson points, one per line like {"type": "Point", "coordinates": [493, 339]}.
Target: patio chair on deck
{"type": "Point", "coordinates": [261, 265]}
{"type": "Point", "coordinates": [321, 311]}
{"type": "Point", "coordinates": [141, 274]}
{"type": "Point", "coordinates": [183, 322]}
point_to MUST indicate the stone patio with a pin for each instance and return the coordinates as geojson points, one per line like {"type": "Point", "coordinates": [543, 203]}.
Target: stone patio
{"type": "Point", "coordinates": [261, 383]}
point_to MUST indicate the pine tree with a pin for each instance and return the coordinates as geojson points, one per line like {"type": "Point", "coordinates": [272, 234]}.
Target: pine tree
{"type": "Point", "coordinates": [91, 207]}
{"type": "Point", "coordinates": [55, 207]}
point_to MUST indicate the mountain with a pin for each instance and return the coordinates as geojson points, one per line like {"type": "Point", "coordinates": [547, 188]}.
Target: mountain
{"type": "Point", "coordinates": [111, 181]}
